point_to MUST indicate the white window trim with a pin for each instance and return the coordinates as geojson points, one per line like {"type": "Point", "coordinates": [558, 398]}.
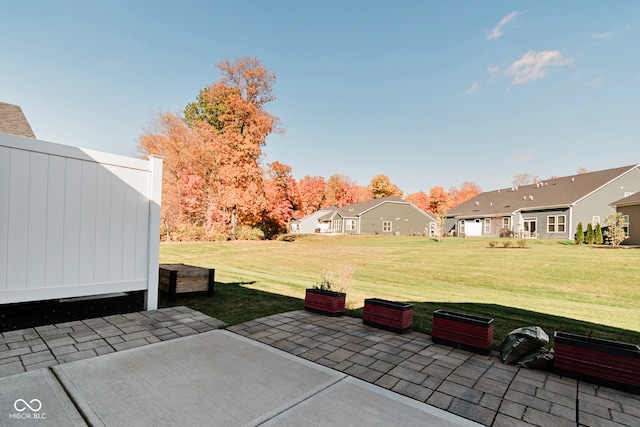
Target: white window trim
{"type": "Point", "coordinates": [387, 226]}
{"type": "Point", "coordinates": [595, 220]}
{"type": "Point", "coordinates": [556, 224]}
{"type": "Point", "coordinates": [487, 225]}
{"type": "Point", "coordinates": [625, 225]}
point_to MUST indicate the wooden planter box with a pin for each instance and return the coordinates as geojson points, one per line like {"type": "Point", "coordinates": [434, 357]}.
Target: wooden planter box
{"type": "Point", "coordinates": [609, 363]}
{"type": "Point", "coordinates": [464, 331]}
{"type": "Point", "coordinates": [388, 315]}
{"type": "Point", "coordinates": [324, 302]}
{"type": "Point", "coordinates": [181, 278]}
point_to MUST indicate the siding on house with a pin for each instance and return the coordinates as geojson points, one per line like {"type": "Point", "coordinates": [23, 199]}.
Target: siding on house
{"type": "Point", "coordinates": [405, 219]}
{"type": "Point", "coordinates": [630, 206]}
{"type": "Point", "coordinates": [579, 198]}
{"type": "Point", "coordinates": [13, 121]}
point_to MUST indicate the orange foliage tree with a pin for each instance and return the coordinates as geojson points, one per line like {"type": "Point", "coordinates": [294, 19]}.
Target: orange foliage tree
{"type": "Point", "coordinates": [420, 199]}
{"type": "Point", "coordinates": [282, 195]}
{"type": "Point", "coordinates": [220, 142]}
{"type": "Point", "coordinates": [468, 190]}
{"type": "Point", "coordinates": [381, 186]}
{"type": "Point", "coordinates": [439, 203]}
{"type": "Point", "coordinates": [311, 195]}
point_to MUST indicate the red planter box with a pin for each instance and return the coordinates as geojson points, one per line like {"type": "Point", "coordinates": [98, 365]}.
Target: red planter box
{"type": "Point", "coordinates": [388, 315]}
{"type": "Point", "coordinates": [324, 302]}
{"type": "Point", "coordinates": [462, 331]}
{"type": "Point", "coordinates": [609, 363]}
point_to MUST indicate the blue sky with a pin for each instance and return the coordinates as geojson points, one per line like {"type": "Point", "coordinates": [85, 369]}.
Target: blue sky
{"type": "Point", "coordinates": [426, 92]}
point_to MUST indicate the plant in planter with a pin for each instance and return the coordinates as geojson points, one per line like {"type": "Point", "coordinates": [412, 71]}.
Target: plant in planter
{"type": "Point", "coordinates": [328, 296]}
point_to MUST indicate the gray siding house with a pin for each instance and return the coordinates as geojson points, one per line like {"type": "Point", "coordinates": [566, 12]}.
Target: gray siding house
{"type": "Point", "coordinates": [629, 207]}
{"type": "Point", "coordinates": [549, 209]}
{"type": "Point", "coordinates": [387, 215]}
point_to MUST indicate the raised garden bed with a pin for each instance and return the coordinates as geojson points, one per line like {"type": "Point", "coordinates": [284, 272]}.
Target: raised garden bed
{"type": "Point", "coordinates": [609, 363]}
{"type": "Point", "coordinates": [464, 331]}
{"type": "Point", "coordinates": [388, 315]}
{"type": "Point", "coordinates": [181, 278]}
{"type": "Point", "coordinates": [325, 302]}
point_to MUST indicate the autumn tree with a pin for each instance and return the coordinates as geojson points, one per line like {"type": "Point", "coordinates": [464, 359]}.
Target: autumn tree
{"type": "Point", "coordinates": [582, 170]}
{"type": "Point", "coordinates": [468, 190]}
{"type": "Point", "coordinates": [420, 199]}
{"type": "Point", "coordinates": [311, 195]}
{"type": "Point", "coordinates": [282, 195]}
{"type": "Point", "coordinates": [168, 136]}
{"type": "Point", "coordinates": [381, 186]}
{"type": "Point", "coordinates": [228, 126]}
{"type": "Point", "coordinates": [340, 191]}
{"type": "Point", "coordinates": [439, 204]}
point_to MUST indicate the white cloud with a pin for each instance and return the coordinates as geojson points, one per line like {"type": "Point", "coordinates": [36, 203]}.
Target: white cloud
{"type": "Point", "coordinates": [493, 70]}
{"type": "Point", "coordinates": [497, 31]}
{"type": "Point", "coordinates": [596, 82]}
{"type": "Point", "coordinates": [474, 88]}
{"type": "Point", "coordinates": [533, 65]}
{"type": "Point", "coordinates": [116, 63]}
{"type": "Point", "coordinates": [602, 35]}
{"type": "Point", "coordinates": [523, 157]}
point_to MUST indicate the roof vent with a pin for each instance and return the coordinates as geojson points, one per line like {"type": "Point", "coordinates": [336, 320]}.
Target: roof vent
{"type": "Point", "coordinates": [573, 179]}
{"type": "Point", "coordinates": [524, 197]}
{"type": "Point", "coordinates": [530, 197]}
{"type": "Point", "coordinates": [498, 191]}
{"type": "Point", "coordinates": [477, 203]}
{"type": "Point", "coordinates": [490, 203]}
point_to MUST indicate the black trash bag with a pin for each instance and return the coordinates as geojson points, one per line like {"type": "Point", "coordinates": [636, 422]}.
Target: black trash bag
{"type": "Point", "coordinates": [522, 341]}
{"type": "Point", "coordinates": [541, 358]}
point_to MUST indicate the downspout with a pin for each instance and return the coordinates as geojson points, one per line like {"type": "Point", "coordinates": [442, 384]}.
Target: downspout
{"type": "Point", "coordinates": [570, 222]}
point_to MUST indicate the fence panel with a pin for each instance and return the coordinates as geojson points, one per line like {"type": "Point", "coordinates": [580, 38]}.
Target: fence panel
{"type": "Point", "coordinates": [76, 222]}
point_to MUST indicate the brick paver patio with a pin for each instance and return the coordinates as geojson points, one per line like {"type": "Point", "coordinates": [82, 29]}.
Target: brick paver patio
{"type": "Point", "coordinates": [480, 388]}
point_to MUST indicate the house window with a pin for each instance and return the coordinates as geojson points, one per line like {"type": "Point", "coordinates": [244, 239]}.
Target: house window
{"type": "Point", "coordinates": [462, 226]}
{"type": "Point", "coordinates": [386, 226]}
{"type": "Point", "coordinates": [350, 225]}
{"type": "Point", "coordinates": [505, 223]}
{"type": "Point", "coordinates": [487, 225]}
{"type": "Point", "coordinates": [595, 220]}
{"type": "Point", "coordinates": [556, 223]}
{"type": "Point", "coordinates": [337, 225]}
{"type": "Point", "coordinates": [625, 225]}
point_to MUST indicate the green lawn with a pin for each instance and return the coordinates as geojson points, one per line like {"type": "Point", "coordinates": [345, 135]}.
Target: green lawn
{"type": "Point", "coordinates": [556, 285]}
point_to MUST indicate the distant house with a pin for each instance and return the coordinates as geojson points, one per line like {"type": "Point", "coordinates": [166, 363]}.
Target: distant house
{"type": "Point", "coordinates": [13, 121]}
{"type": "Point", "coordinates": [549, 209]}
{"type": "Point", "coordinates": [629, 207]}
{"type": "Point", "coordinates": [387, 215]}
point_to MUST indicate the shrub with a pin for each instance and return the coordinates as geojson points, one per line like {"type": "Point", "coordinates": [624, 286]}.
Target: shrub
{"type": "Point", "coordinates": [579, 234]}
{"type": "Point", "coordinates": [507, 243]}
{"type": "Point", "coordinates": [522, 243]}
{"type": "Point", "coordinates": [249, 233]}
{"type": "Point", "coordinates": [338, 279]}
{"type": "Point", "coordinates": [591, 238]}
{"type": "Point", "coordinates": [493, 243]}
{"type": "Point", "coordinates": [598, 239]}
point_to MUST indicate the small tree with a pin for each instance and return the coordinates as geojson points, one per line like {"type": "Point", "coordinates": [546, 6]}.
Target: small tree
{"type": "Point", "coordinates": [579, 234]}
{"type": "Point", "coordinates": [615, 232]}
{"type": "Point", "coordinates": [598, 235]}
{"type": "Point", "coordinates": [590, 236]}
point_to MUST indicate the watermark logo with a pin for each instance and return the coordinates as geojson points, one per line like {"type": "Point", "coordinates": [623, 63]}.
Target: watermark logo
{"type": "Point", "coordinates": [34, 406]}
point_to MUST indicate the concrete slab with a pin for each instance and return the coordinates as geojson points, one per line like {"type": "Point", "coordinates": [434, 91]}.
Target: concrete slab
{"type": "Point", "coordinates": [357, 403]}
{"type": "Point", "coordinates": [213, 378]}
{"type": "Point", "coordinates": [36, 398]}
{"type": "Point", "coordinates": [219, 378]}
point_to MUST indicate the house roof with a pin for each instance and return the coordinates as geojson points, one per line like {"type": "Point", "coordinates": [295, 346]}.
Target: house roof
{"type": "Point", "coordinates": [633, 199]}
{"type": "Point", "coordinates": [357, 209]}
{"type": "Point", "coordinates": [549, 193]}
{"type": "Point", "coordinates": [13, 121]}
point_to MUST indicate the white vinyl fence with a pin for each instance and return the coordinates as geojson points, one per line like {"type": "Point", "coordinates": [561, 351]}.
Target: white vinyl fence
{"type": "Point", "coordinates": [75, 222]}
